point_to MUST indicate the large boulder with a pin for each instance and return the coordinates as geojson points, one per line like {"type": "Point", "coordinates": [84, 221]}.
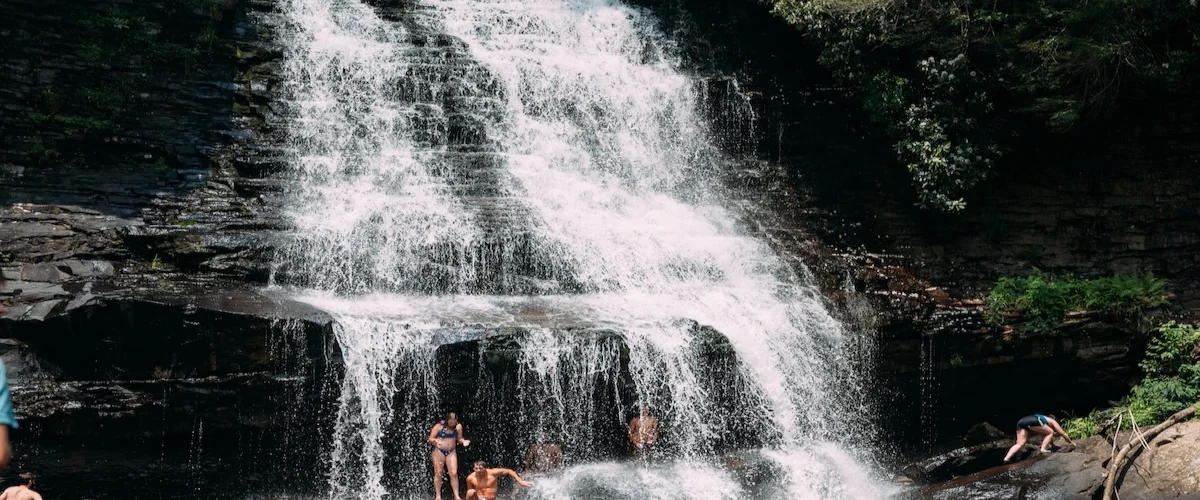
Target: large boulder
{"type": "Point", "coordinates": [1167, 469]}
{"type": "Point", "coordinates": [983, 432]}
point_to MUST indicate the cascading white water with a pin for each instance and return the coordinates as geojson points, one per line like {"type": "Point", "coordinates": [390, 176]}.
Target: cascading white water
{"type": "Point", "coordinates": [587, 186]}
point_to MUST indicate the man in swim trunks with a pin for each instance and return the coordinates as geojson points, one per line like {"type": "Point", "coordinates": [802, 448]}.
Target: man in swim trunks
{"type": "Point", "coordinates": [1041, 424]}
{"type": "Point", "coordinates": [22, 492]}
{"type": "Point", "coordinates": [643, 433]}
{"type": "Point", "coordinates": [484, 483]}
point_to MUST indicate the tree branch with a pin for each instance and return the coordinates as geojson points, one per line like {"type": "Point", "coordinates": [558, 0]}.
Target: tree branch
{"type": "Point", "coordinates": [1114, 467]}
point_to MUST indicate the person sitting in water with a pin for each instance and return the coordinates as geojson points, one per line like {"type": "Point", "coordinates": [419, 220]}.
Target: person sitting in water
{"type": "Point", "coordinates": [22, 492]}
{"type": "Point", "coordinates": [543, 456]}
{"type": "Point", "coordinates": [484, 483]}
{"type": "Point", "coordinates": [1041, 424]}
{"type": "Point", "coordinates": [445, 437]}
{"type": "Point", "coordinates": [643, 433]}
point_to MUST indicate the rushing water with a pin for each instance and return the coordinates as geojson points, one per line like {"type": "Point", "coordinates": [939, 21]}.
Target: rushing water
{"type": "Point", "coordinates": [540, 171]}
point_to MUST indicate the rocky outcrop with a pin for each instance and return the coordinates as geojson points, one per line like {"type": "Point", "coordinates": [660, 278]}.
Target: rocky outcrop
{"type": "Point", "coordinates": [117, 364]}
{"type": "Point", "coordinates": [1164, 470]}
{"type": "Point", "coordinates": [963, 370]}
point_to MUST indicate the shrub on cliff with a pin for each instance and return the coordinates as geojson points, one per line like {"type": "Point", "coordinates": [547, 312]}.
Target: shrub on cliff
{"type": "Point", "coordinates": [1042, 302]}
{"type": "Point", "coordinates": [1171, 382]}
{"type": "Point", "coordinates": [930, 71]}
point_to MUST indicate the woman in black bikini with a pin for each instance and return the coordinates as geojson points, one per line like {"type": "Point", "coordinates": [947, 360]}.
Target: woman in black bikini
{"type": "Point", "coordinates": [445, 437]}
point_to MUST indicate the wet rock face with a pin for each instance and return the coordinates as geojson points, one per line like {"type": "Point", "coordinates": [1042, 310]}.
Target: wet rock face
{"type": "Point", "coordinates": [243, 390]}
{"type": "Point", "coordinates": [121, 357]}
{"type": "Point", "coordinates": [137, 148]}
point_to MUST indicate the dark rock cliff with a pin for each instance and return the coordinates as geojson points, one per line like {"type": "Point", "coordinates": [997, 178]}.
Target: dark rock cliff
{"type": "Point", "coordinates": [136, 150]}
{"type": "Point", "coordinates": [132, 145]}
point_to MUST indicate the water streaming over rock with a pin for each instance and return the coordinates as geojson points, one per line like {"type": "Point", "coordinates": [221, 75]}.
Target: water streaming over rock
{"type": "Point", "coordinates": [536, 177]}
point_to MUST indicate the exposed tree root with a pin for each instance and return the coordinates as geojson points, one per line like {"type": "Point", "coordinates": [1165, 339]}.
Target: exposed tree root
{"type": "Point", "coordinates": [1114, 467]}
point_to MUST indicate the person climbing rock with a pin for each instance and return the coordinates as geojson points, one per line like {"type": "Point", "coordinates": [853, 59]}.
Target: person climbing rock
{"type": "Point", "coordinates": [643, 433]}
{"type": "Point", "coordinates": [8, 420]}
{"type": "Point", "coordinates": [1041, 424]}
{"type": "Point", "coordinates": [24, 491]}
{"type": "Point", "coordinates": [445, 437]}
{"type": "Point", "coordinates": [484, 483]}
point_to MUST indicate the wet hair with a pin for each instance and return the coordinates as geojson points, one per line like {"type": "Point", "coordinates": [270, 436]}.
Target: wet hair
{"type": "Point", "coordinates": [26, 478]}
{"type": "Point", "coordinates": [451, 416]}
{"type": "Point", "coordinates": [480, 463]}
{"type": "Point", "coordinates": [1052, 417]}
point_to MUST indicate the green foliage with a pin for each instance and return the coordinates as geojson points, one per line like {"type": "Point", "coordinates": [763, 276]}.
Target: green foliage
{"type": "Point", "coordinates": [163, 40]}
{"type": "Point", "coordinates": [930, 71]}
{"type": "Point", "coordinates": [1172, 351]}
{"type": "Point", "coordinates": [1043, 302]}
{"type": "Point", "coordinates": [1171, 383]}
{"type": "Point", "coordinates": [1082, 427]}
{"type": "Point", "coordinates": [956, 361]}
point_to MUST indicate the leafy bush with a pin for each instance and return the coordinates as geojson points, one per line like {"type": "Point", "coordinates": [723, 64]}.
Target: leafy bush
{"type": "Point", "coordinates": [1172, 351]}
{"type": "Point", "coordinates": [1043, 302]}
{"type": "Point", "coordinates": [1172, 382]}
{"type": "Point", "coordinates": [1082, 427]}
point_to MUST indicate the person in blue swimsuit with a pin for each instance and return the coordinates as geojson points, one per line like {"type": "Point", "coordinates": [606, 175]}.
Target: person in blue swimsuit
{"type": "Point", "coordinates": [445, 437]}
{"type": "Point", "coordinates": [8, 421]}
{"type": "Point", "coordinates": [1041, 424]}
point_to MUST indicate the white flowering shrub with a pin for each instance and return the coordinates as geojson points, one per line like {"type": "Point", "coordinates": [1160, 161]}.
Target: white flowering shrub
{"type": "Point", "coordinates": [940, 140]}
{"type": "Point", "coordinates": [935, 114]}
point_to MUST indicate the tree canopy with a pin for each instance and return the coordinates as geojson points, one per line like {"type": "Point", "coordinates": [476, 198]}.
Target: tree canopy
{"type": "Point", "coordinates": [950, 80]}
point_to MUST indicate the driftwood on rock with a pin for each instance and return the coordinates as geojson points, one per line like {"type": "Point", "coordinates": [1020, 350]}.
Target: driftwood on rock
{"type": "Point", "coordinates": [1110, 482]}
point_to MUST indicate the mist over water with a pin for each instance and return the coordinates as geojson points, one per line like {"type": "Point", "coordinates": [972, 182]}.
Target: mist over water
{"type": "Point", "coordinates": [540, 171]}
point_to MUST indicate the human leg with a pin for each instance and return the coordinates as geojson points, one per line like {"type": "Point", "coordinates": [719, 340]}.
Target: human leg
{"type": "Point", "coordinates": [452, 467]}
{"type": "Point", "coordinates": [471, 494]}
{"type": "Point", "coordinates": [1048, 432]}
{"type": "Point", "coordinates": [439, 463]}
{"type": "Point", "coordinates": [1022, 437]}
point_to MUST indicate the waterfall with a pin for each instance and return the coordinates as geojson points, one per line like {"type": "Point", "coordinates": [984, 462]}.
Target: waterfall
{"type": "Point", "coordinates": [536, 177]}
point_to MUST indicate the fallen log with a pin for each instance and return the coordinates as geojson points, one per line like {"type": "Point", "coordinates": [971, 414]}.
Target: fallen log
{"type": "Point", "coordinates": [1110, 482]}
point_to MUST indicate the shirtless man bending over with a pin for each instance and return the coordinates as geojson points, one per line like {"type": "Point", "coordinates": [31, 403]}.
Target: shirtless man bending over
{"type": "Point", "coordinates": [484, 483]}
{"type": "Point", "coordinates": [22, 492]}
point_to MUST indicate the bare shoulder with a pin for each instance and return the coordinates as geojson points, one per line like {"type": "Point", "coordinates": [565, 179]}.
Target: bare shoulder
{"type": "Point", "coordinates": [471, 480]}
{"type": "Point", "coordinates": [34, 495]}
